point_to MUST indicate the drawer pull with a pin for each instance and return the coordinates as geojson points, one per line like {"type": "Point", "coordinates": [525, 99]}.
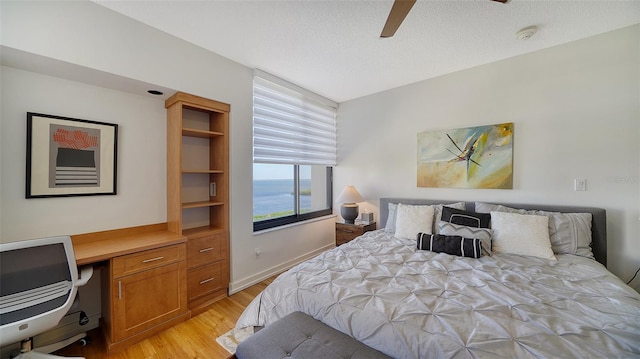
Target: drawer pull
{"type": "Point", "coordinates": [207, 280]}
{"type": "Point", "coordinates": [152, 259]}
{"type": "Point", "coordinates": [119, 289]}
{"type": "Point", "coordinates": [347, 231]}
{"type": "Point", "coordinates": [206, 249]}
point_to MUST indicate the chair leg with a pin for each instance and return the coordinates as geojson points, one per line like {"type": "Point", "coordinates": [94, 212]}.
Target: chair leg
{"type": "Point", "coordinates": [26, 345]}
{"type": "Point", "coordinates": [38, 355]}
{"type": "Point", "coordinates": [27, 352]}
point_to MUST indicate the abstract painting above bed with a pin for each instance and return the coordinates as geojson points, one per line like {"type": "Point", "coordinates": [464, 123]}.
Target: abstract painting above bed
{"type": "Point", "coordinates": [410, 303]}
{"type": "Point", "coordinates": [472, 157]}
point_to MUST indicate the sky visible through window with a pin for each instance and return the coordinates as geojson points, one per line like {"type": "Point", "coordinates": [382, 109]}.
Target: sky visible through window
{"type": "Point", "coordinates": [270, 172]}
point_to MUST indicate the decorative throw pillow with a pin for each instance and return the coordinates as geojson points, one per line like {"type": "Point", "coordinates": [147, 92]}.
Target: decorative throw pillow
{"type": "Point", "coordinates": [410, 220]}
{"type": "Point", "coordinates": [465, 218]}
{"type": "Point", "coordinates": [521, 234]}
{"type": "Point", "coordinates": [570, 233]}
{"type": "Point", "coordinates": [390, 226]}
{"type": "Point", "coordinates": [483, 234]}
{"type": "Point", "coordinates": [438, 208]}
{"type": "Point", "coordinates": [455, 245]}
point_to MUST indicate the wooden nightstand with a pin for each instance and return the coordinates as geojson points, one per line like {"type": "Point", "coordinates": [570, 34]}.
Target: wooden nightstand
{"type": "Point", "coordinates": [347, 232]}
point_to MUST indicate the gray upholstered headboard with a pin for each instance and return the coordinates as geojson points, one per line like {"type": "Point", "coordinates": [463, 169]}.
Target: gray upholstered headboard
{"type": "Point", "coordinates": [598, 222]}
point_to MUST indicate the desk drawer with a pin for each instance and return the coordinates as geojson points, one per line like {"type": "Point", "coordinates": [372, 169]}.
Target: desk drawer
{"type": "Point", "coordinates": [204, 250]}
{"type": "Point", "coordinates": [137, 262]}
{"type": "Point", "coordinates": [205, 279]}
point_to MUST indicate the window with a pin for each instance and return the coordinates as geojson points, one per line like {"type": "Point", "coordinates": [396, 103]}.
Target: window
{"type": "Point", "coordinates": [284, 194]}
{"type": "Point", "coordinates": [294, 151]}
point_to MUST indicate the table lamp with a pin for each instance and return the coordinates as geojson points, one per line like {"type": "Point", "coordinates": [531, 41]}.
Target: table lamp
{"type": "Point", "coordinates": [349, 206]}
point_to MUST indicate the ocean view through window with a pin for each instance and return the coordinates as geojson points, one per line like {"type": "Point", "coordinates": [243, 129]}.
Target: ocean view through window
{"type": "Point", "coordinates": [274, 198]}
{"type": "Point", "coordinates": [289, 193]}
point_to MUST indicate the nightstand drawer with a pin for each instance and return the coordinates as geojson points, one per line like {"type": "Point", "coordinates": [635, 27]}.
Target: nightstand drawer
{"type": "Point", "coordinates": [349, 229]}
{"type": "Point", "coordinates": [347, 232]}
{"type": "Point", "coordinates": [344, 237]}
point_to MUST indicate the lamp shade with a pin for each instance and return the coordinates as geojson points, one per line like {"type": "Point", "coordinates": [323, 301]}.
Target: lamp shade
{"type": "Point", "coordinates": [349, 195]}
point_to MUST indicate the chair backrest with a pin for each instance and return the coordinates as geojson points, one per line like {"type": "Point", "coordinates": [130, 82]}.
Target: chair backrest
{"type": "Point", "coordinates": [37, 286]}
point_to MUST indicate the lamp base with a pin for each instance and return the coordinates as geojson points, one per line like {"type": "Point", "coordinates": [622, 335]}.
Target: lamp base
{"type": "Point", "coordinates": [349, 211]}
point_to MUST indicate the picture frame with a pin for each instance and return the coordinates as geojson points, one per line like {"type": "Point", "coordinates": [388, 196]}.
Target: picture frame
{"type": "Point", "coordinates": [479, 157]}
{"type": "Point", "coordinates": [70, 157]}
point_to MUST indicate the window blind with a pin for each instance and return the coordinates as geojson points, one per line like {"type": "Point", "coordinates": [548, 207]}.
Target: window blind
{"type": "Point", "coordinates": [291, 127]}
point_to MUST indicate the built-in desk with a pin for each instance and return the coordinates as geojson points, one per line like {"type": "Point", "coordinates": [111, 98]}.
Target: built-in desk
{"type": "Point", "coordinates": [143, 280]}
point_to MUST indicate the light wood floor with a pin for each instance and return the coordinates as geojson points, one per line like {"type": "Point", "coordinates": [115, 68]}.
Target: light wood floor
{"type": "Point", "coordinates": [194, 338]}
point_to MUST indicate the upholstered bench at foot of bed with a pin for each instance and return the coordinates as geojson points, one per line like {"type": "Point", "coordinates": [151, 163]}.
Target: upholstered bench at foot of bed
{"type": "Point", "coordinates": [298, 335]}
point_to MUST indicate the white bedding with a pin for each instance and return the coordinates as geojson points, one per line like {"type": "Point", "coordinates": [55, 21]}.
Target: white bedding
{"type": "Point", "coordinates": [409, 303]}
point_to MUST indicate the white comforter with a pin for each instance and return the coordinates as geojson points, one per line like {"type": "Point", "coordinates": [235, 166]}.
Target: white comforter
{"type": "Point", "coordinates": [409, 303]}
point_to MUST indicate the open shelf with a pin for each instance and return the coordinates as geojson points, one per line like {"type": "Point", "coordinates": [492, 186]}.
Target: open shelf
{"type": "Point", "coordinates": [202, 171]}
{"type": "Point", "coordinates": [201, 204]}
{"type": "Point", "coordinates": [192, 132]}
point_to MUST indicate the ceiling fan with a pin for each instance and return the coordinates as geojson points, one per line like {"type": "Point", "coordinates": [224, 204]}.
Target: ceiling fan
{"type": "Point", "coordinates": [399, 11]}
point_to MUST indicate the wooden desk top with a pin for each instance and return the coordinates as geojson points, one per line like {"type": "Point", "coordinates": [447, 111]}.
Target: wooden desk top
{"type": "Point", "coordinates": [99, 246]}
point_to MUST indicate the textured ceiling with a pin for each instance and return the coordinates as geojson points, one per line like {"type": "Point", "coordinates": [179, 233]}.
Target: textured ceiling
{"type": "Point", "coordinates": [333, 47]}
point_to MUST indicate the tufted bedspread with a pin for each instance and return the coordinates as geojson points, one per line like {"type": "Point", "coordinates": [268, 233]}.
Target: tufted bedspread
{"type": "Point", "coordinates": [409, 303]}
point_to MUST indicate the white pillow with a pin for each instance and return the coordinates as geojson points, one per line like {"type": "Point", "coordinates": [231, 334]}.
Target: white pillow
{"type": "Point", "coordinates": [570, 233]}
{"type": "Point", "coordinates": [390, 226]}
{"type": "Point", "coordinates": [521, 234]}
{"type": "Point", "coordinates": [411, 220]}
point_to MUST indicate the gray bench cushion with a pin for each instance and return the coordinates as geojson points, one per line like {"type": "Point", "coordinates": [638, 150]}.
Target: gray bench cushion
{"type": "Point", "coordinates": [298, 335]}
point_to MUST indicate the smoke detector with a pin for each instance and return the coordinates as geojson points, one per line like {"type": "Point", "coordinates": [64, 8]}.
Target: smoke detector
{"type": "Point", "coordinates": [526, 33]}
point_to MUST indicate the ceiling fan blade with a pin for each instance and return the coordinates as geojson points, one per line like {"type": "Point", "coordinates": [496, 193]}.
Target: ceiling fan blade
{"type": "Point", "coordinates": [399, 11]}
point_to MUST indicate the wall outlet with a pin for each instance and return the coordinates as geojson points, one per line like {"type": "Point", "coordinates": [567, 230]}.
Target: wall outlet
{"type": "Point", "coordinates": [580, 184]}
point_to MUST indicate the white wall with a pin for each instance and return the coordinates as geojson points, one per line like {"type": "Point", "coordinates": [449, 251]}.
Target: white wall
{"type": "Point", "coordinates": [91, 37]}
{"type": "Point", "coordinates": [141, 197]}
{"type": "Point", "coordinates": [576, 114]}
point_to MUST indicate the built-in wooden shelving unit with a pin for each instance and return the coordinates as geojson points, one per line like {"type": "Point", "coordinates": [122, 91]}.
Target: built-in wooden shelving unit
{"type": "Point", "coordinates": [198, 191]}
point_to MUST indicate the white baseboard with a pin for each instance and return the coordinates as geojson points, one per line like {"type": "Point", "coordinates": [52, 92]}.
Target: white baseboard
{"type": "Point", "coordinates": [235, 287]}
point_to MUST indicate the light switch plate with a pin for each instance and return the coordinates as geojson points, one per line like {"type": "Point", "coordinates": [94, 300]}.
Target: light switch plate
{"type": "Point", "coordinates": [580, 184]}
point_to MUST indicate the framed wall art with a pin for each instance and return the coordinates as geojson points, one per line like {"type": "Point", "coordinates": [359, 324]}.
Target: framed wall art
{"type": "Point", "coordinates": [473, 157]}
{"type": "Point", "coordinates": [70, 157]}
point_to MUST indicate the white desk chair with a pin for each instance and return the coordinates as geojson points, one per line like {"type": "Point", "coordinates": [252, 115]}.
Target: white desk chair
{"type": "Point", "coordinates": [38, 284]}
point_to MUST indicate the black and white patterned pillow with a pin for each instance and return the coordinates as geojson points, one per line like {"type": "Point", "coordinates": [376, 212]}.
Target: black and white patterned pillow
{"type": "Point", "coordinates": [466, 218]}
{"type": "Point", "coordinates": [454, 245]}
{"type": "Point", "coordinates": [483, 234]}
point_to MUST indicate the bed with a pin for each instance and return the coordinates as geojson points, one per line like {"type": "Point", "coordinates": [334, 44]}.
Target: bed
{"type": "Point", "coordinates": [406, 302]}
